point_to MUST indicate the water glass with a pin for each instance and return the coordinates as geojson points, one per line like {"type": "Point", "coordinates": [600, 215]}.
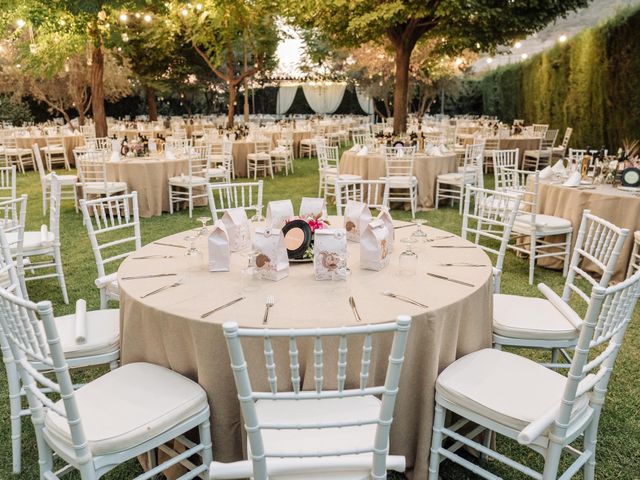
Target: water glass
{"type": "Point", "coordinates": [408, 258]}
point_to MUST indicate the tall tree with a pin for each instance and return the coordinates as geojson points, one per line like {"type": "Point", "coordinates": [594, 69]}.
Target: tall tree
{"type": "Point", "coordinates": [237, 39]}
{"type": "Point", "coordinates": [458, 24]}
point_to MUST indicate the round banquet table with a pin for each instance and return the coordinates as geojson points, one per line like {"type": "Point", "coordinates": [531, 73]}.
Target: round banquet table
{"type": "Point", "coordinates": [510, 143]}
{"type": "Point", "coordinates": [150, 178]}
{"type": "Point", "coordinates": [619, 207]}
{"type": "Point", "coordinates": [69, 141]}
{"type": "Point", "coordinates": [425, 168]}
{"type": "Point", "coordinates": [166, 328]}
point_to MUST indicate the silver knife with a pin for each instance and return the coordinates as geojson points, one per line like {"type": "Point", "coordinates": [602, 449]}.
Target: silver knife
{"type": "Point", "coordinates": [228, 304]}
{"type": "Point", "coordinates": [158, 290]}
{"type": "Point", "coordinates": [453, 246]}
{"type": "Point", "coordinates": [169, 245]}
{"type": "Point", "coordinates": [442, 277]}
{"type": "Point", "coordinates": [352, 302]}
{"type": "Point", "coordinates": [157, 275]}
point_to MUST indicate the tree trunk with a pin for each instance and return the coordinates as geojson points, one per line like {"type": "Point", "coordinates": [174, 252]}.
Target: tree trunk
{"type": "Point", "coordinates": [401, 92]}
{"type": "Point", "coordinates": [151, 103]}
{"type": "Point", "coordinates": [246, 100]}
{"type": "Point", "coordinates": [232, 103]}
{"type": "Point", "coordinates": [97, 92]}
{"type": "Point", "coordinates": [81, 116]}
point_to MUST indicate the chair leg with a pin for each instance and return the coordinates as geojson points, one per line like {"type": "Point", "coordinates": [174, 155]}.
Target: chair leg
{"type": "Point", "coordinates": [15, 406]}
{"type": "Point", "coordinates": [590, 441]}
{"type": "Point", "coordinates": [437, 194]}
{"type": "Point", "coordinates": [567, 255]}
{"type": "Point", "coordinates": [60, 272]}
{"type": "Point", "coordinates": [204, 429]}
{"type": "Point", "coordinates": [170, 200]}
{"type": "Point", "coordinates": [532, 259]}
{"type": "Point", "coordinates": [436, 442]}
{"type": "Point", "coordinates": [75, 198]}
{"type": "Point", "coordinates": [552, 461]}
{"type": "Point", "coordinates": [190, 193]}
{"type": "Point", "coordinates": [103, 298]}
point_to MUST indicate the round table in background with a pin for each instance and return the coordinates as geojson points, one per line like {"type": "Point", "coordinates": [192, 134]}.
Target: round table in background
{"type": "Point", "coordinates": [69, 141]}
{"type": "Point", "coordinates": [425, 168]}
{"type": "Point", "coordinates": [166, 328]}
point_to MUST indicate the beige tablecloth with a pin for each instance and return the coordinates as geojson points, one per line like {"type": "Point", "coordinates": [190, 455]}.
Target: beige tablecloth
{"type": "Point", "coordinates": [69, 141]}
{"type": "Point", "coordinates": [150, 178]}
{"type": "Point", "coordinates": [166, 328]}
{"type": "Point", "coordinates": [510, 143]}
{"type": "Point", "coordinates": [426, 169]}
{"type": "Point", "coordinates": [619, 207]}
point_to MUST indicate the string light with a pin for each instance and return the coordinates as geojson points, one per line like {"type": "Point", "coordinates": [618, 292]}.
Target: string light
{"type": "Point", "coordinates": [147, 18]}
{"type": "Point", "coordinates": [137, 15]}
{"type": "Point", "coordinates": [518, 44]}
{"type": "Point", "coordinates": [458, 61]}
{"type": "Point", "coordinates": [184, 12]}
{"type": "Point", "coordinates": [489, 60]}
{"type": "Point", "coordinates": [563, 38]}
{"type": "Point", "coordinates": [198, 6]}
{"type": "Point", "coordinates": [524, 56]}
{"type": "Point", "coordinates": [123, 17]}
{"type": "Point", "coordinates": [21, 23]}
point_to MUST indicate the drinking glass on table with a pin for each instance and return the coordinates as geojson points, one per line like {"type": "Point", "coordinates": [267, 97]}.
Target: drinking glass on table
{"type": "Point", "coordinates": [249, 280]}
{"type": "Point", "coordinates": [203, 231]}
{"type": "Point", "coordinates": [408, 258]}
{"type": "Point", "coordinates": [192, 254]}
{"type": "Point", "coordinates": [419, 235]}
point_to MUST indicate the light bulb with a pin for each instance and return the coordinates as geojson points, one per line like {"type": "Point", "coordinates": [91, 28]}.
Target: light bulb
{"type": "Point", "coordinates": [184, 12]}
{"type": "Point", "coordinates": [563, 38]}
{"type": "Point", "coordinates": [147, 18]}
{"type": "Point", "coordinates": [518, 44]}
{"type": "Point", "coordinates": [524, 56]}
{"type": "Point", "coordinates": [458, 61]}
{"type": "Point", "coordinates": [489, 60]}
{"type": "Point", "coordinates": [21, 23]}
{"type": "Point", "coordinates": [123, 17]}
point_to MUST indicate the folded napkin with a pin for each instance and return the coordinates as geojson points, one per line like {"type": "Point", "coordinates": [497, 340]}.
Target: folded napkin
{"type": "Point", "coordinates": [363, 151]}
{"type": "Point", "coordinates": [355, 148]}
{"type": "Point", "coordinates": [573, 180]}
{"type": "Point", "coordinates": [80, 323]}
{"type": "Point", "coordinates": [115, 146]}
{"type": "Point", "coordinates": [443, 150]}
{"type": "Point", "coordinates": [545, 173]}
{"type": "Point", "coordinates": [169, 155]}
{"type": "Point", "coordinates": [558, 167]}
{"type": "Point", "coordinates": [115, 157]}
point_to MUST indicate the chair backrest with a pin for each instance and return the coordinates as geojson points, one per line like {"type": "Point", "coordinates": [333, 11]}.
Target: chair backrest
{"type": "Point", "coordinates": [399, 161]}
{"type": "Point", "coordinates": [492, 144]}
{"type": "Point", "coordinates": [473, 160]}
{"type": "Point", "coordinates": [7, 183]}
{"type": "Point", "coordinates": [23, 323]}
{"type": "Point", "coordinates": [599, 242]}
{"type": "Point", "coordinates": [92, 167]}
{"type": "Point", "coordinates": [362, 138]}
{"type": "Point", "coordinates": [113, 226]}
{"type": "Point", "coordinates": [53, 141]}
{"type": "Point", "coordinates": [331, 156]}
{"type": "Point", "coordinates": [247, 195]}
{"type": "Point", "coordinates": [262, 146]}
{"type": "Point", "coordinates": [55, 197]}
{"type": "Point", "coordinates": [342, 336]}
{"type": "Point", "coordinates": [567, 138]}
{"type": "Point", "coordinates": [39, 165]}
{"type": "Point", "coordinates": [13, 214]}
{"type": "Point", "coordinates": [198, 158]}
{"type": "Point", "coordinates": [602, 331]}
{"type": "Point", "coordinates": [490, 222]}
{"type": "Point", "coordinates": [178, 145]}
{"type": "Point", "coordinates": [550, 138]}
{"type": "Point", "coordinates": [540, 128]}
{"type": "Point", "coordinates": [373, 193]}
{"type": "Point", "coordinates": [504, 158]}
{"type": "Point", "coordinates": [102, 143]}
{"type": "Point", "coordinates": [512, 180]}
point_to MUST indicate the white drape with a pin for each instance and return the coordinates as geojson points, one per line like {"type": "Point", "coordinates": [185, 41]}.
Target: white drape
{"type": "Point", "coordinates": [365, 101]}
{"type": "Point", "coordinates": [286, 94]}
{"type": "Point", "coordinates": [325, 98]}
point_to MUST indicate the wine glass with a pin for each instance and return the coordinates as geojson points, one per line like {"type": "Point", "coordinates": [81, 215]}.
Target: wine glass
{"type": "Point", "coordinates": [192, 254]}
{"type": "Point", "coordinates": [257, 217]}
{"type": "Point", "coordinates": [248, 274]}
{"type": "Point", "coordinates": [204, 220]}
{"type": "Point", "coordinates": [408, 258]}
{"type": "Point", "coordinates": [419, 234]}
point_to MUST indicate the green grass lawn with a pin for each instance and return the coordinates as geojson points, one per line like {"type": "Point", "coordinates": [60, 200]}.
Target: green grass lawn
{"type": "Point", "coordinates": [619, 439]}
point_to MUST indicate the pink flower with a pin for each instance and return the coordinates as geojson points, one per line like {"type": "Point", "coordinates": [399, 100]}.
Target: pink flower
{"type": "Point", "coordinates": [315, 224]}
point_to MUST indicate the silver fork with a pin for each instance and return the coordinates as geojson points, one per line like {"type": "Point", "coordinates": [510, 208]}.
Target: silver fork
{"type": "Point", "coordinates": [270, 302]}
{"type": "Point", "coordinates": [166, 287]}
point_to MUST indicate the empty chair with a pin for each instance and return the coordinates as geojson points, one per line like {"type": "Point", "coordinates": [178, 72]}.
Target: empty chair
{"type": "Point", "coordinates": [260, 159]}
{"type": "Point", "coordinates": [513, 396]}
{"type": "Point", "coordinates": [561, 151]}
{"type": "Point", "coordinates": [504, 158]}
{"type": "Point", "coordinates": [92, 171]}
{"type": "Point", "coordinates": [373, 193]}
{"type": "Point", "coordinates": [191, 186]}
{"type": "Point", "coordinates": [282, 156]}
{"type": "Point", "coordinates": [55, 153]}
{"type": "Point", "coordinates": [634, 263]}
{"type": "Point", "coordinates": [99, 346]}
{"type": "Point", "coordinates": [113, 226]}
{"type": "Point", "coordinates": [329, 170]}
{"type": "Point", "coordinates": [402, 184]}
{"type": "Point", "coordinates": [535, 159]}
{"type": "Point", "coordinates": [490, 145]}
{"type": "Point", "coordinates": [309, 146]}
{"type": "Point", "coordinates": [68, 183]}
{"type": "Point", "coordinates": [542, 236]}
{"type": "Point", "coordinates": [178, 145]}
{"type": "Point", "coordinates": [545, 322]}
{"type": "Point", "coordinates": [248, 195]}
{"type": "Point", "coordinates": [540, 128]}
{"type": "Point", "coordinates": [451, 185]}
{"type": "Point", "coordinates": [123, 414]}
{"type": "Point", "coordinates": [16, 155]}
{"type": "Point", "coordinates": [7, 183]}
{"type": "Point", "coordinates": [297, 433]}
{"type": "Point", "coordinates": [490, 222]}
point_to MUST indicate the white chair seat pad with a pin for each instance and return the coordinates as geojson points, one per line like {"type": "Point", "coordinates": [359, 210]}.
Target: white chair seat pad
{"type": "Point", "coordinates": [452, 178]}
{"type": "Point", "coordinates": [217, 172]}
{"type": "Point", "coordinates": [64, 179]}
{"type": "Point", "coordinates": [128, 406]}
{"type": "Point", "coordinates": [545, 224]}
{"type": "Point", "coordinates": [103, 333]}
{"type": "Point", "coordinates": [32, 241]}
{"type": "Point", "coordinates": [314, 440]}
{"type": "Point", "coordinates": [180, 180]}
{"type": "Point", "coordinates": [259, 156]}
{"type": "Point", "coordinates": [506, 388]}
{"type": "Point", "coordinates": [530, 318]}
{"type": "Point", "coordinates": [400, 181]}
{"type": "Point", "coordinates": [101, 187]}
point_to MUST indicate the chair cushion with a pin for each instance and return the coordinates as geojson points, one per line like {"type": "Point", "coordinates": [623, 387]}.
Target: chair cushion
{"type": "Point", "coordinates": [128, 406]}
{"type": "Point", "coordinates": [99, 187]}
{"type": "Point", "coordinates": [103, 333]}
{"type": "Point", "coordinates": [314, 440]}
{"type": "Point", "coordinates": [530, 318]}
{"type": "Point", "coordinates": [183, 180]}
{"type": "Point", "coordinates": [259, 156]}
{"type": "Point", "coordinates": [452, 178]}
{"type": "Point", "coordinates": [32, 241]}
{"type": "Point", "coordinates": [504, 387]}
{"type": "Point", "coordinates": [64, 179]}
{"type": "Point", "coordinates": [536, 153]}
{"type": "Point", "coordinates": [400, 181]}
{"type": "Point", "coordinates": [545, 224]}
{"type": "Point", "coordinates": [217, 172]}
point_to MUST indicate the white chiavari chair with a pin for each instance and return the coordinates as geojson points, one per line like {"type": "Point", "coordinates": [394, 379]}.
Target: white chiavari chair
{"type": "Point", "coordinates": [191, 186]}
{"type": "Point", "coordinates": [504, 158]}
{"type": "Point", "coordinates": [451, 185]}
{"type": "Point", "coordinates": [309, 146]}
{"type": "Point", "coordinates": [178, 145]}
{"type": "Point", "coordinates": [536, 159]}
{"type": "Point", "coordinates": [515, 397]}
{"type": "Point", "coordinates": [16, 155]}
{"type": "Point", "coordinates": [223, 196]}
{"type": "Point", "coordinates": [402, 183]}
{"type": "Point", "coordinates": [7, 183]}
{"type": "Point", "coordinates": [561, 151]}
{"type": "Point", "coordinates": [68, 183]}
{"type": "Point", "coordinates": [260, 159]}
{"type": "Point", "coordinates": [634, 262]}
{"type": "Point", "coordinates": [282, 156]}
{"type": "Point", "coordinates": [489, 223]}
{"type": "Point", "coordinates": [542, 323]}
{"type": "Point", "coordinates": [121, 415]}
{"type": "Point", "coordinates": [55, 153]}
{"type": "Point", "coordinates": [491, 144]}
{"type": "Point", "coordinates": [92, 172]}
{"type": "Point", "coordinates": [39, 252]}
{"type": "Point", "coordinates": [292, 432]}
{"type": "Point", "coordinates": [329, 170]}
{"type": "Point", "coordinates": [113, 226]}
{"type": "Point", "coordinates": [373, 193]}
{"type": "Point", "coordinates": [540, 128]}
{"type": "Point", "coordinates": [99, 346]}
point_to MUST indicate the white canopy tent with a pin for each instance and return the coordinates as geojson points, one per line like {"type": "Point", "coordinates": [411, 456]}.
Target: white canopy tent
{"type": "Point", "coordinates": [322, 97]}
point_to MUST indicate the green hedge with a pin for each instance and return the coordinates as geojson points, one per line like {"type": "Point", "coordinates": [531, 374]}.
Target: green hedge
{"type": "Point", "coordinates": [590, 83]}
